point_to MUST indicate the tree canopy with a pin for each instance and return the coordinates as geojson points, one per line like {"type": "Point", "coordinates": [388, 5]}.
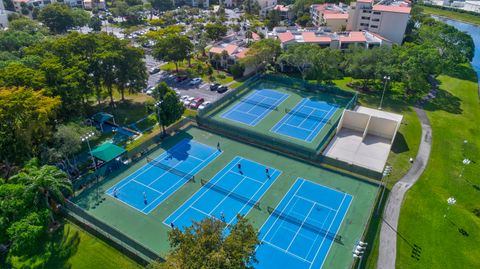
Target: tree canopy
{"type": "Point", "coordinates": [173, 48]}
{"type": "Point", "coordinates": [205, 245]}
{"type": "Point", "coordinates": [59, 17]}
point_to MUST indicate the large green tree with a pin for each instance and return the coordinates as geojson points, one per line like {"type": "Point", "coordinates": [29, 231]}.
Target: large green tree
{"type": "Point", "coordinates": [215, 31]}
{"type": "Point", "coordinates": [162, 5]}
{"type": "Point", "coordinates": [171, 109]}
{"type": "Point", "coordinates": [25, 117]}
{"type": "Point", "coordinates": [300, 57]}
{"type": "Point", "coordinates": [58, 18]}
{"type": "Point", "coordinates": [47, 183]}
{"type": "Point", "coordinates": [206, 245]}
{"type": "Point", "coordinates": [173, 48]}
{"type": "Point", "coordinates": [262, 52]}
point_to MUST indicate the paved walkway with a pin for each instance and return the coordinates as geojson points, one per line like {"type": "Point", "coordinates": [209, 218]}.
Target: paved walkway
{"type": "Point", "coordinates": [388, 236]}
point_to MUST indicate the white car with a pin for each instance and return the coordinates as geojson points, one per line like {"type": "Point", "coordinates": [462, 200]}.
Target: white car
{"type": "Point", "coordinates": [204, 105]}
{"type": "Point", "coordinates": [188, 101]}
{"type": "Point", "coordinates": [195, 81]}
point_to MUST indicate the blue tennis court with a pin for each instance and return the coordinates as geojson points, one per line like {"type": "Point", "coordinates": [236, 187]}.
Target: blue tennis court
{"type": "Point", "coordinates": [154, 182]}
{"type": "Point", "coordinates": [301, 230]}
{"type": "Point", "coordinates": [230, 192]}
{"type": "Point", "coordinates": [252, 109]}
{"type": "Point", "coordinates": [305, 120]}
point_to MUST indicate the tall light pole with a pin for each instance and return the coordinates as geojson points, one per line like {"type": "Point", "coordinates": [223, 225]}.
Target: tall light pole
{"type": "Point", "coordinates": [386, 79]}
{"type": "Point", "coordinates": [86, 138]}
{"type": "Point", "coordinates": [386, 174]}
{"type": "Point", "coordinates": [158, 105]}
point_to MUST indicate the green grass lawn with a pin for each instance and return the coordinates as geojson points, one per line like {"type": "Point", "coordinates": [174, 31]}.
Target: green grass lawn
{"type": "Point", "coordinates": [198, 68]}
{"type": "Point", "coordinates": [454, 117]}
{"type": "Point", "coordinates": [73, 248]}
{"type": "Point", "coordinates": [465, 17]}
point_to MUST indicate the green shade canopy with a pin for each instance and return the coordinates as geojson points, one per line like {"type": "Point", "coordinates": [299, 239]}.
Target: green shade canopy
{"type": "Point", "coordinates": [102, 117]}
{"type": "Point", "coordinates": [107, 152]}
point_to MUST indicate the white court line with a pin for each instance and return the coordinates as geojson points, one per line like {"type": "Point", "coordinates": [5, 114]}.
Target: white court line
{"type": "Point", "coordinates": [203, 189]}
{"type": "Point", "coordinates": [247, 177]}
{"type": "Point", "coordinates": [339, 226]}
{"type": "Point", "coordinates": [146, 186]}
{"type": "Point", "coordinates": [287, 117]}
{"type": "Point", "coordinates": [328, 230]}
{"type": "Point", "coordinates": [285, 207]}
{"type": "Point", "coordinates": [314, 131]}
{"type": "Point", "coordinates": [147, 165]}
{"type": "Point", "coordinates": [298, 127]}
{"type": "Point", "coordinates": [274, 105]}
{"type": "Point", "coordinates": [317, 235]}
{"type": "Point", "coordinates": [317, 203]}
{"type": "Point", "coordinates": [251, 198]}
{"type": "Point", "coordinates": [301, 226]}
{"type": "Point", "coordinates": [287, 252]}
{"type": "Point", "coordinates": [179, 186]}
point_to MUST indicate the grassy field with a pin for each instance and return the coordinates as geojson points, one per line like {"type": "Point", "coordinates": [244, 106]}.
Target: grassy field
{"type": "Point", "coordinates": [451, 241]}
{"type": "Point", "coordinates": [153, 232]}
{"type": "Point", "coordinates": [74, 248]}
{"type": "Point", "coordinates": [469, 18]}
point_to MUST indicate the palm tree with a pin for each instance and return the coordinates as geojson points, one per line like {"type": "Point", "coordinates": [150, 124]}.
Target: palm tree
{"type": "Point", "coordinates": [47, 183]}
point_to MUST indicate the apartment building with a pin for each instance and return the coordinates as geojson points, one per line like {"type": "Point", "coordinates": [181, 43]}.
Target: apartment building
{"type": "Point", "coordinates": [3, 16]}
{"type": "Point", "coordinates": [41, 3]}
{"type": "Point", "coordinates": [336, 40]}
{"type": "Point", "coordinates": [389, 21]}
{"type": "Point", "coordinates": [229, 51]}
{"type": "Point", "coordinates": [90, 4]}
{"type": "Point", "coordinates": [284, 11]}
{"type": "Point", "coordinates": [332, 16]}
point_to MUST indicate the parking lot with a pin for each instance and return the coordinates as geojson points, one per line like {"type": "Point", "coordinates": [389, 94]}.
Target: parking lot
{"type": "Point", "coordinates": [184, 87]}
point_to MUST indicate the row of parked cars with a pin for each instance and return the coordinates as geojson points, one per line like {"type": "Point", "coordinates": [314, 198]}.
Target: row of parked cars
{"type": "Point", "coordinates": [194, 102]}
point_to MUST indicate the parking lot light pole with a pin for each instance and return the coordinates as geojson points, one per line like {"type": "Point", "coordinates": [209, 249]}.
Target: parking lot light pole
{"type": "Point", "coordinates": [86, 138]}
{"type": "Point", "coordinates": [386, 78]}
{"type": "Point", "coordinates": [158, 105]}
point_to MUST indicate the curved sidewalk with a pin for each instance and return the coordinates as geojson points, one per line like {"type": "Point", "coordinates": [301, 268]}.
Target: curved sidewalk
{"type": "Point", "coordinates": [388, 236]}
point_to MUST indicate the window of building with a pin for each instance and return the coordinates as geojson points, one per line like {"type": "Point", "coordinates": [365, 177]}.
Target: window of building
{"type": "Point", "coordinates": [365, 18]}
{"type": "Point", "coordinates": [373, 26]}
{"type": "Point", "coordinates": [377, 13]}
{"type": "Point", "coordinates": [375, 19]}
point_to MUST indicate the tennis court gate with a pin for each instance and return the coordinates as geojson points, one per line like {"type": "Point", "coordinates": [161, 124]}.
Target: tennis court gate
{"type": "Point", "coordinates": [114, 237]}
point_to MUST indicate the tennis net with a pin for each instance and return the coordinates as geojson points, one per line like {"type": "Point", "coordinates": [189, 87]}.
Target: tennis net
{"type": "Point", "coordinates": [257, 103]}
{"type": "Point", "coordinates": [309, 116]}
{"type": "Point", "coordinates": [304, 224]}
{"type": "Point", "coordinates": [230, 193]}
{"type": "Point", "coordinates": [170, 169]}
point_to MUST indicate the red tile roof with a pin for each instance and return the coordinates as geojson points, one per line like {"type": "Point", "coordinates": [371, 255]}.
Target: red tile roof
{"type": "Point", "coordinates": [230, 49]}
{"type": "Point", "coordinates": [281, 8]}
{"type": "Point", "coordinates": [255, 36]}
{"type": "Point", "coordinates": [365, 1]}
{"type": "Point", "coordinates": [285, 37]}
{"type": "Point", "coordinates": [353, 37]}
{"type": "Point", "coordinates": [310, 37]}
{"type": "Point", "coordinates": [396, 9]}
{"type": "Point", "coordinates": [242, 54]}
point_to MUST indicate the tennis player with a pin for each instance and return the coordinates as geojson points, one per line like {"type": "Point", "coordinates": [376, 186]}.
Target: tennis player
{"type": "Point", "coordinates": [145, 198]}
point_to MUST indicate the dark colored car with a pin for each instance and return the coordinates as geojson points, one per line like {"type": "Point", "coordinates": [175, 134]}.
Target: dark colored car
{"type": "Point", "coordinates": [181, 78]}
{"type": "Point", "coordinates": [222, 89]}
{"type": "Point", "coordinates": [214, 86]}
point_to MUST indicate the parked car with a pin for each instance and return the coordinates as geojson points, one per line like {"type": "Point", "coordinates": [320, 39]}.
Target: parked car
{"type": "Point", "coordinates": [188, 101]}
{"type": "Point", "coordinates": [204, 105]}
{"type": "Point", "coordinates": [196, 102]}
{"type": "Point", "coordinates": [222, 89]}
{"type": "Point", "coordinates": [184, 98]}
{"type": "Point", "coordinates": [214, 86]}
{"type": "Point", "coordinates": [154, 70]}
{"type": "Point", "coordinates": [181, 78]}
{"type": "Point", "coordinates": [195, 81]}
